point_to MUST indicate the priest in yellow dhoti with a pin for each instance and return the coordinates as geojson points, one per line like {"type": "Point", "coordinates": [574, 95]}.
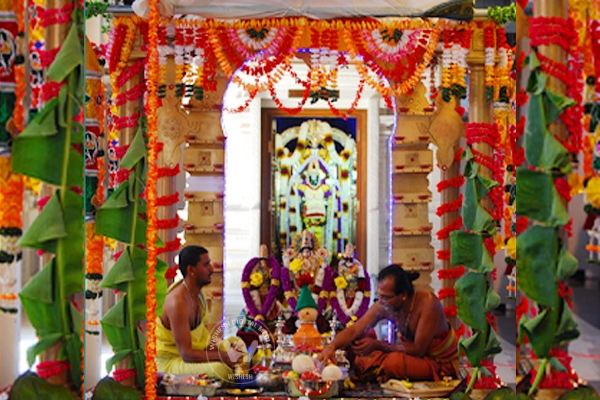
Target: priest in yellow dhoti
{"type": "Point", "coordinates": [183, 343]}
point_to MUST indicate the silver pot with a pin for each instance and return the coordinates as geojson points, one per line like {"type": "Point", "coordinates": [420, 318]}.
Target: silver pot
{"type": "Point", "coordinates": [270, 380]}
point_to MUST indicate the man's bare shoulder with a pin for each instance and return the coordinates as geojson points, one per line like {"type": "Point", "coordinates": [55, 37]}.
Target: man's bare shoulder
{"type": "Point", "coordinates": [174, 301]}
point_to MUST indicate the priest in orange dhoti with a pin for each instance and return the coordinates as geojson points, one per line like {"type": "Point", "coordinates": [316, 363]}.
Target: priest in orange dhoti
{"type": "Point", "coordinates": [427, 348]}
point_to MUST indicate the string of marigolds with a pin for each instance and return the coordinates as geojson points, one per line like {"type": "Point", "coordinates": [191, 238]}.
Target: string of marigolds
{"type": "Point", "coordinates": [398, 50]}
{"type": "Point", "coordinates": [11, 223]}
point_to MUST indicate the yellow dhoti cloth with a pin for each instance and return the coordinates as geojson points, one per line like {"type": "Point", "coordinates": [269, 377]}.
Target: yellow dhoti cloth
{"type": "Point", "coordinates": [168, 359]}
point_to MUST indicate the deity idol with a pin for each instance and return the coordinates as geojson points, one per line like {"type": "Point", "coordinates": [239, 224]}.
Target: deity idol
{"type": "Point", "coordinates": [307, 264]}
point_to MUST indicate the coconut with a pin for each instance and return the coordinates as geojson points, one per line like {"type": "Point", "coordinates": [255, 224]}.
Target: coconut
{"type": "Point", "coordinates": [331, 373]}
{"type": "Point", "coordinates": [302, 363]}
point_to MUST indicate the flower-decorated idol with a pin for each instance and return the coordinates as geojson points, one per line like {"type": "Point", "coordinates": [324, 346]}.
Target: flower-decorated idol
{"type": "Point", "coordinates": [352, 288]}
{"type": "Point", "coordinates": [306, 258]}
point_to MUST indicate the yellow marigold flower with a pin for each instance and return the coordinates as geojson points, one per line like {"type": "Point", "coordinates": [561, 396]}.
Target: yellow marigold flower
{"type": "Point", "coordinates": [341, 283]}
{"type": "Point", "coordinates": [296, 266]}
{"type": "Point", "coordinates": [256, 279]}
{"type": "Point", "coordinates": [511, 248]}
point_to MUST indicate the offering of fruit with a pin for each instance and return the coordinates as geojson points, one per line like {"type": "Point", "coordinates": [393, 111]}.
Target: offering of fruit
{"type": "Point", "coordinates": [309, 376]}
{"type": "Point", "coordinates": [290, 375]}
{"type": "Point", "coordinates": [406, 383]}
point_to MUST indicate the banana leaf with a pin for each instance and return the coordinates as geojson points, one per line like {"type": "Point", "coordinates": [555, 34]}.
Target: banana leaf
{"type": "Point", "coordinates": [503, 393]}
{"type": "Point", "coordinates": [119, 219]}
{"type": "Point", "coordinates": [540, 331]}
{"type": "Point", "coordinates": [537, 198]}
{"type": "Point", "coordinates": [37, 155]}
{"type": "Point", "coordinates": [475, 217]}
{"type": "Point", "coordinates": [567, 265]}
{"type": "Point", "coordinates": [470, 290]}
{"type": "Point", "coordinates": [493, 344]}
{"type": "Point", "coordinates": [473, 347]}
{"type": "Point", "coordinates": [542, 149]}
{"type": "Point", "coordinates": [537, 252]}
{"type": "Point", "coordinates": [31, 386]}
{"type": "Point", "coordinates": [567, 328]}
{"type": "Point", "coordinates": [108, 388]}
{"type": "Point", "coordinates": [129, 275]}
{"type": "Point", "coordinates": [492, 300]}
{"type": "Point", "coordinates": [555, 104]}
{"type": "Point", "coordinates": [468, 249]}
{"type": "Point", "coordinates": [581, 393]}
{"type": "Point", "coordinates": [44, 148]}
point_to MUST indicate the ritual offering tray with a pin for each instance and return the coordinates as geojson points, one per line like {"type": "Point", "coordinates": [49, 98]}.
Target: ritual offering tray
{"type": "Point", "coordinates": [313, 389]}
{"type": "Point", "coordinates": [426, 390]}
{"type": "Point", "coordinates": [189, 385]}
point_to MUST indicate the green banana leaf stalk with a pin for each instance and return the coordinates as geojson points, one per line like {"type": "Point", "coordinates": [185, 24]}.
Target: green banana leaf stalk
{"type": "Point", "coordinates": [47, 150]}
{"type": "Point", "coordinates": [544, 263]}
{"type": "Point", "coordinates": [468, 249]}
{"type": "Point", "coordinates": [121, 218]}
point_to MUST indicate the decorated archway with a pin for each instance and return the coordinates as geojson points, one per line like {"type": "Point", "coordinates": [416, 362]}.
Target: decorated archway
{"type": "Point", "coordinates": [195, 65]}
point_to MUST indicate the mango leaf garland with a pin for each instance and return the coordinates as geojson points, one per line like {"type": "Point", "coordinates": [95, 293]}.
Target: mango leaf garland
{"type": "Point", "coordinates": [49, 149]}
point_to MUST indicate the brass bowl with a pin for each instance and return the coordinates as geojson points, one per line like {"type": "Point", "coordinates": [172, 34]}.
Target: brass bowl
{"type": "Point", "coordinates": [313, 389]}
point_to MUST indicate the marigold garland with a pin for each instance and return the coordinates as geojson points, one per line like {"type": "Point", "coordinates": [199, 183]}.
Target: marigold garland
{"type": "Point", "coordinates": [151, 195]}
{"type": "Point", "coordinates": [19, 70]}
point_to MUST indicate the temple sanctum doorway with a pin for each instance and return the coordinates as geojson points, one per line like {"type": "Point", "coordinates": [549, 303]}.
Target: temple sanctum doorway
{"type": "Point", "coordinates": [313, 179]}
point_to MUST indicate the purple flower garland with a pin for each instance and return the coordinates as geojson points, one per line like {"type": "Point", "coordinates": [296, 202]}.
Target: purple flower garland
{"type": "Point", "coordinates": [286, 284]}
{"type": "Point", "coordinates": [273, 289]}
{"type": "Point", "coordinates": [362, 309]}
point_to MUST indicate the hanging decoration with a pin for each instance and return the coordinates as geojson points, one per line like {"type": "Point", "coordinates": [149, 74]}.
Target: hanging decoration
{"type": "Point", "coordinates": [152, 301]}
{"type": "Point", "coordinates": [38, 57]}
{"type": "Point", "coordinates": [474, 248]}
{"type": "Point", "coordinates": [54, 159]}
{"type": "Point", "coordinates": [11, 223]}
{"type": "Point", "coordinates": [9, 29]}
{"type": "Point", "coordinates": [542, 196]}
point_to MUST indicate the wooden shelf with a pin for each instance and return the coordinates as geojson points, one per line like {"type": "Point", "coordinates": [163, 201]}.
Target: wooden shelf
{"type": "Point", "coordinates": [411, 198]}
{"type": "Point", "coordinates": [424, 230]}
{"type": "Point", "coordinates": [400, 169]}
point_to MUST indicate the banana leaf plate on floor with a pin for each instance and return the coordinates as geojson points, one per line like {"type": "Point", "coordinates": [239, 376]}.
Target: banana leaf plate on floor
{"type": "Point", "coordinates": [399, 388]}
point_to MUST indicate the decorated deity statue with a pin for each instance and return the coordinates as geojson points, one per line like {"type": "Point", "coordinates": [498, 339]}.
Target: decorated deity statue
{"type": "Point", "coordinates": [353, 288]}
{"type": "Point", "coordinates": [314, 194]}
{"type": "Point", "coordinates": [305, 261]}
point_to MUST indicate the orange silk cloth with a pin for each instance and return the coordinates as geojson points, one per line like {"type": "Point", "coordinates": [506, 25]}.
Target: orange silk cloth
{"type": "Point", "coordinates": [441, 360]}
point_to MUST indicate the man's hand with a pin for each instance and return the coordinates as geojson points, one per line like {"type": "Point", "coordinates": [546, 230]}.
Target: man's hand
{"type": "Point", "coordinates": [328, 354]}
{"type": "Point", "coordinates": [229, 360]}
{"type": "Point", "coordinates": [365, 346]}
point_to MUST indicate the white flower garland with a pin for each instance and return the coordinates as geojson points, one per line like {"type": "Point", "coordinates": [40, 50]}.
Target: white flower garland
{"type": "Point", "coordinates": [358, 297]}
